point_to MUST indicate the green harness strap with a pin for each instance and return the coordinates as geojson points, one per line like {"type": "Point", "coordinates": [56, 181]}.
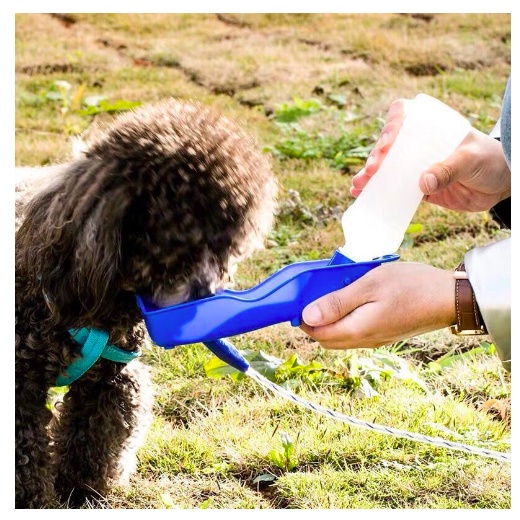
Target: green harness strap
{"type": "Point", "coordinates": [94, 345]}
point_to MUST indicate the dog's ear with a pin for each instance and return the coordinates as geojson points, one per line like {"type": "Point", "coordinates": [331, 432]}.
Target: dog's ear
{"type": "Point", "coordinates": [96, 275]}
{"type": "Point", "coordinates": [69, 244]}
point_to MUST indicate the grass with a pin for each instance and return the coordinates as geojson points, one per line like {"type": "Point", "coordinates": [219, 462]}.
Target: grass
{"type": "Point", "coordinates": [313, 89]}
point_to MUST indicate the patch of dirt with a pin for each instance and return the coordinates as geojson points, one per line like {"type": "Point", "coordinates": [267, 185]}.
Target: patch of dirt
{"type": "Point", "coordinates": [316, 43]}
{"type": "Point", "coordinates": [254, 101]}
{"type": "Point", "coordinates": [50, 68]}
{"type": "Point", "coordinates": [471, 64]}
{"type": "Point", "coordinates": [233, 21]}
{"type": "Point", "coordinates": [359, 55]}
{"type": "Point", "coordinates": [76, 48]}
{"type": "Point", "coordinates": [425, 69]}
{"type": "Point", "coordinates": [67, 19]}
{"type": "Point", "coordinates": [186, 405]}
{"type": "Point", "coordinates": [111, 44]}
{"type": "Point", "coordinates": [267, 489]}
{"type": "Point", "coordinates": [423, 351]}
{"type": "Point", "coordinates": [425, 17]}
{"type": "Point", "coordinates": [229, 88]}
{"type": "Point", "coordinates": [225, 37]}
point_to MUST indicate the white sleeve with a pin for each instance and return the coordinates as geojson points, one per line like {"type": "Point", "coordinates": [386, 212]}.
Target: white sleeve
{"type": "Point", "coordinates": [489, 272]}
{"type": "Point", "coordinates": [495, 133]}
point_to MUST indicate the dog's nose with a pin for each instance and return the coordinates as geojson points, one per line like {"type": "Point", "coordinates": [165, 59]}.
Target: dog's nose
{"type": "Point", "coordinates": [199, 291]}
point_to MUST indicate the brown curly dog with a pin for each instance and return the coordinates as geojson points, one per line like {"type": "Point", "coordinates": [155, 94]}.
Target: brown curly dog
{"type": "Point", "coordinates": [164, 203]}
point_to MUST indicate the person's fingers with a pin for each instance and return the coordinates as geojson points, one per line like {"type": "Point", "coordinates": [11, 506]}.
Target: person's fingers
{"type": "Point", "coordinates": [397, 110]}
{"type": "Point", "coordinates": [394, 120]}
{"type": "Point", "coordinates": [349, 331]}
{"type": "Point", "coordinates": [388, 134]}
{"type": "Point", "coordinates": [358, 329]}
{"type": "Point", "coordinates": [463, 162]}
{"type": "Point", "coordinates": [359, 181]}
{"type": "Point", "coordinates": [374, 161]}
{"type": "Point", "coordinates": [461, 198]}
{"type": "Point", "coordinates": [355, 192]}
{"type": "Point", "coordinates": [326, 310]}
{"type": "Point", "coordinates": [335, 305]}
{"type": "Point", "coordinates": [438, 177]}
{"type": "Point", "coordinates": [393, 123]}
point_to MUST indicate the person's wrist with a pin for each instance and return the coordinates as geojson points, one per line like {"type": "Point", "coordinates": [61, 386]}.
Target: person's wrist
{"type": "Point", "coordinates": [448, 312]}
{"type": "Point", "coordinates": [505, 194]}
{"type": "Point", "coordinates": [432, 296]}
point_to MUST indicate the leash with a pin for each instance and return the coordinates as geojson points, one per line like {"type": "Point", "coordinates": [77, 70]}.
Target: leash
{"type": "Point", "coordinates": [435, 441]}
{"type": "Point", "coordinates": [232, 354]}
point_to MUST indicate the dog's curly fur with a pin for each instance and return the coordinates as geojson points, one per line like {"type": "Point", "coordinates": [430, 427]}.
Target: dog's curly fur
{"type": "Point", "coordinates": [163, 203]}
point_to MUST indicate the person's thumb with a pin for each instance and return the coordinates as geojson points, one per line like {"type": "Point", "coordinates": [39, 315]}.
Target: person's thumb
{"type": "Point", "coordinates": [326, 310]}
{"type": "Point", "coordinates": [437, 177]}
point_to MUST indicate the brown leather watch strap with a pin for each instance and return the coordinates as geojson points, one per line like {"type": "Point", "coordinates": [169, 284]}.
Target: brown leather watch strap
{"type": "Point", "coordinates": [469, 319]}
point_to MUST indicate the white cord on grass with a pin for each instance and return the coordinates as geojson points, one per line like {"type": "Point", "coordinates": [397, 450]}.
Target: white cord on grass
{"type": "Point", "coordinates": [436, 441]}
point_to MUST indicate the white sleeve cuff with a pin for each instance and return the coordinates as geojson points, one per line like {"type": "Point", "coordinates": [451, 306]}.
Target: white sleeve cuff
{"type": "Point", "coordinates": [489, 272]}
{"type": "Point", "coordinates": [495, 133]}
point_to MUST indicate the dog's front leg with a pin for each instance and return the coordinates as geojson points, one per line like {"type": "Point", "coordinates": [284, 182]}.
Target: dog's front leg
{"type": "Point", "coordinates": [100, 424]}
{"type": "Point", "coordinates": [34, 479]}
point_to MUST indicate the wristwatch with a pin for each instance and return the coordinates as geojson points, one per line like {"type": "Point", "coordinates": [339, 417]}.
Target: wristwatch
{"type": "Point", "coordinates": [469, 319]}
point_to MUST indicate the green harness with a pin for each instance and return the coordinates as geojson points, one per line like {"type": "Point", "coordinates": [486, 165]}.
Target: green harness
{"type": "Point", "coordinates": [94, 345]}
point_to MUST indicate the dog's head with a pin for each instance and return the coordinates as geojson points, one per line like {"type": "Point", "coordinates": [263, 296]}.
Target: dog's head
{"type": "Point", "coordinates": [161, 203]}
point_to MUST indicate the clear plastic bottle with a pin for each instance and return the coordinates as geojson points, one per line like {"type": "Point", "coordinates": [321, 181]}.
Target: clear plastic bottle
{"type": "Point", "coordinates": [375, 224]}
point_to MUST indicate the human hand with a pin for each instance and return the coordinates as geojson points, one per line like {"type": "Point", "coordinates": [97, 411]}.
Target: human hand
{"type": "Point", "coordinates": [474, 177]}
{"type": "Point", "coordinates": [392, 302]}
